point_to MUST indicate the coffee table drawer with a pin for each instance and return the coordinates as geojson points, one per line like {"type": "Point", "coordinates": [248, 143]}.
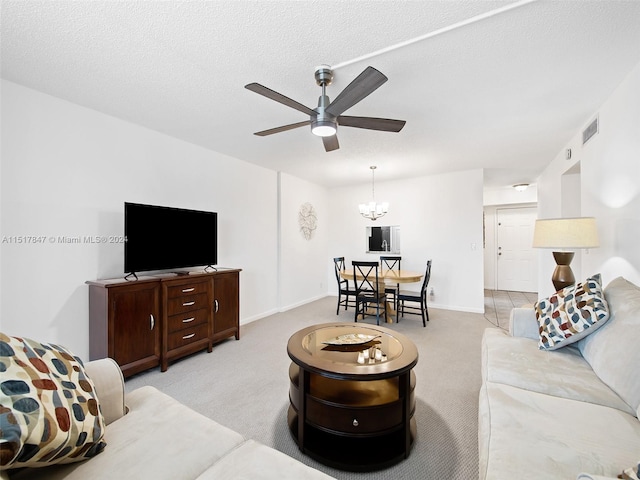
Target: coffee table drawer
{"type": "Point", "coordinates": [363, 420]}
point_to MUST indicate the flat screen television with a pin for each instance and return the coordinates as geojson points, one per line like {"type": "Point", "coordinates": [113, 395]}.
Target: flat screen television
{"type": "Point", "coordinates": [165, 238]}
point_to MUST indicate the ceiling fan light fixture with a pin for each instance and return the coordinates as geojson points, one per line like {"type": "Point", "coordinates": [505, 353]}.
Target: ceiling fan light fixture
{"type": "Point", "coordinates": [323, 128]}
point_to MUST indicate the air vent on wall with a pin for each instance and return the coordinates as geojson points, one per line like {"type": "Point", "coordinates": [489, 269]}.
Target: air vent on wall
{"type": "Point", "coordinates": [590, 131]}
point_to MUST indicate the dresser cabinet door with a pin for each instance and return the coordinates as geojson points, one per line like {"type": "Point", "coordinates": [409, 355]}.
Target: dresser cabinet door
{"type": "Point", "coordinates": [134, 314]}
{"type": "Point", "coordinates": [226, 305]}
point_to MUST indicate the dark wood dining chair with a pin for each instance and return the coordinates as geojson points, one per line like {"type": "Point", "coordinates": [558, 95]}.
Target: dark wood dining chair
{"type": "Point", "coordinates": [369, 290]}
{"type": "Point", "coordinates": [391, 263]}
{"type": "Point", "coordinates": [417, 297]}
{"type": "Point", "coordinates": [343, 286]}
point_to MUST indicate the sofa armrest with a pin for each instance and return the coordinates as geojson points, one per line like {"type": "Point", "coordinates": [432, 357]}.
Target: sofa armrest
{"type": "Point", "coordinates": [109, 382]}
{"type": "Point", "coordinates": [523, 323]}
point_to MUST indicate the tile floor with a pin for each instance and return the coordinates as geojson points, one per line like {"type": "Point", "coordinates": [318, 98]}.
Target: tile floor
{"type": "Point", "coordinates": [498, 305]}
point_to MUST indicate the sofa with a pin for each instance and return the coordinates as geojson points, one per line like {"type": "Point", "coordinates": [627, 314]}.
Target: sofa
{"type": "Point", "coordinates": [569, 413]}
{"type": "Point", "coordinates": [150, 435]}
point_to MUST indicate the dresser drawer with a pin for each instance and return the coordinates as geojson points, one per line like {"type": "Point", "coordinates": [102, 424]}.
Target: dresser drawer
{"type": "Point", "coordinates": [188, 289]}
{"type": "Point", "coordinates": [187, 303]}
{"type": "Point", "coordinates": [187, 319]}
{"type": "Point", "coordinates": [187, 336]}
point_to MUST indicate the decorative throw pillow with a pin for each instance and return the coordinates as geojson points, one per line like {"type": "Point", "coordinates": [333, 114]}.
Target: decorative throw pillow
{"type": "Point", "coordinates": [571, 314]}
{"type": "Point", "coordinates": [49, 410]}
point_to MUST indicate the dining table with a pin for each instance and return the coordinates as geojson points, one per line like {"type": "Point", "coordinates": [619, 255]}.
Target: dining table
{"type": "Point", "coordinates": [389, 277]}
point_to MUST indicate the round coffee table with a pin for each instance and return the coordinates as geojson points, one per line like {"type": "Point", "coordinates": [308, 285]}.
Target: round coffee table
{"type": "Point", "coordinates": [351, 394]}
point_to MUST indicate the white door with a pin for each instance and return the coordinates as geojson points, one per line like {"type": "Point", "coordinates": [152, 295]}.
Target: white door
{"type": "Point", "coordinates": [517, 267]}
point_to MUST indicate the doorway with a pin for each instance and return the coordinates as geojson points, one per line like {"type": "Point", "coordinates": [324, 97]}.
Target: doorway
{"type": "Point", "coordinates": [516, 259]}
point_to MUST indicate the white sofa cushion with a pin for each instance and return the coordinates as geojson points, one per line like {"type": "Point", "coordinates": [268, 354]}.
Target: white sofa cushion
{"type": "Point", "coordinates": [254, 461]}
{"type": "Point", "coordinates": [107, 376]}
{"type": "Point", "coordinates": [532, 436]}
{"type": "Point", "coordinates": [613, 351]}
{"type": "Point", "coordinates": [158, 438]}
{"type": "Point", "coordinates": [523, 323]}
{"type": "Point", "coordinates": [564, 373]}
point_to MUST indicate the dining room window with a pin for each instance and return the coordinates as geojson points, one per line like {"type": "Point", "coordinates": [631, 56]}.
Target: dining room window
{"type": "Point", "coordinates": [383, 239]}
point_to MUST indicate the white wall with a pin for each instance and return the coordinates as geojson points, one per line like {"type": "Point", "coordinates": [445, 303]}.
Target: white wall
{"type": "Point", "coordinates": [609, 168]}
{"type": "Point", "coordinates": [509, 195]}
{"type": "Point", "coordinates": [67, 170]}
{"type": "Point", "coordinates": [440, 218]}
{"type": "Point", "coordinates": [303, 263]}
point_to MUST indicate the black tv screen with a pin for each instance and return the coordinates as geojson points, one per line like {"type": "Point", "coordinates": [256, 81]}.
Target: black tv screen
{"type": "Point", "coordinates": [163, 238]}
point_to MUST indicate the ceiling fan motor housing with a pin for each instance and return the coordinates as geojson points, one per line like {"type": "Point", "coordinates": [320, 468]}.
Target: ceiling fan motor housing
{"type": "Point", "coordinates": [323, 124]}
{"type": "Point", "coordinates": [324, 75]}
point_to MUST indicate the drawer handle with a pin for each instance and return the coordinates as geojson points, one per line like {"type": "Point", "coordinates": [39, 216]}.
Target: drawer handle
{"type": "Point", "coordinates": [152, 321]}
{"type": "Point", "coordinates": [187, 337]}
{"type": "Point", "coordinates": [187, 320]}
{"type": "Point", "coordinates": [355, 422]}
{"type": "Point", "coordinates": [215, 302]}
{"type": "Point", "coordinates": [188, 304]}
{"type": "Point", "coordinates": [187, 290]}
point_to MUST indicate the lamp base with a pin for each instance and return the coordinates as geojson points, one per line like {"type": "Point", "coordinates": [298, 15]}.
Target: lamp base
{"type": "Point", "coordinates": [563, 275]}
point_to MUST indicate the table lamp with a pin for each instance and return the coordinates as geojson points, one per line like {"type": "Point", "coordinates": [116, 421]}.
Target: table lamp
{"type": "Point", "coordinates": [565, 234]}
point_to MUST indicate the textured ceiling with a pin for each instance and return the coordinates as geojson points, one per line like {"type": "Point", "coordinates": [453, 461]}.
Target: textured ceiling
{"type": "Point", "coordinates": [504, 93]}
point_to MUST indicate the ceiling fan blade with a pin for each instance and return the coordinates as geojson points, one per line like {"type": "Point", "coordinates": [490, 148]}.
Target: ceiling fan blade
{"type": "Point", "coordinates": [330, 143]}
{"type": "Point", "coordinates": [283, 128]}
{"type": "Point", "coordinates": [364, 84]}
{"type": "Point", "coordinates": [278, 97]}
{"type": "Point", "coordinates": [371, 123]}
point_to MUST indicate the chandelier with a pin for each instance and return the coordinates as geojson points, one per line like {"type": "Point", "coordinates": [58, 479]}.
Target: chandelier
{"type": "Point", "coordinates": [372, 209]}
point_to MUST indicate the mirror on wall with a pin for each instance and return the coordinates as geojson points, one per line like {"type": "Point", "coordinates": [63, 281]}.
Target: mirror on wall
{"type": "Point", "coordinates": [383, 239]}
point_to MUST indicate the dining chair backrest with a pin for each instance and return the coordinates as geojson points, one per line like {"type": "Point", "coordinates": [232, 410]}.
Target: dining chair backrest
{"type": "Point", "coordinates": [365, 275]}
{"type": "Point", "coordinates": [338, 263]}
{"type": "Point", "coordinates": [427, 276]}
{"type": "Point", "coordinates": [390, 263]}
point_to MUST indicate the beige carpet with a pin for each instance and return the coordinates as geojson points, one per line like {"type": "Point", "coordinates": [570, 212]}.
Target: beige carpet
{"type": "Point", "coordinates": [244, 386]}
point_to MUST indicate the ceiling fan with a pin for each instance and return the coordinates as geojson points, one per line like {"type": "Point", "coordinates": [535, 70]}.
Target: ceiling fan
{"type": "Point", "coordinates": [325, 118]}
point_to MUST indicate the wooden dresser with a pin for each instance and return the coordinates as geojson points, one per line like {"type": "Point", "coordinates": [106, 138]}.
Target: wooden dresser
{"type": "Point", "coordinates": [157, 319]}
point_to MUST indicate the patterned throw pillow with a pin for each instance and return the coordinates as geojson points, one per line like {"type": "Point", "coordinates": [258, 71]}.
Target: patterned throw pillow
{"type": "Point", "coordinates": [571, 314]}
{"type": "Point", "coordinates": [49, 411]}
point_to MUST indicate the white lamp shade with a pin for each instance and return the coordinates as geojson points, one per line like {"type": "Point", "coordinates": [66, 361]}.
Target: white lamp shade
{"type": "Point", "coordinates": [566, 233]}
{"type": "Point", "coordinates": [372, 207]}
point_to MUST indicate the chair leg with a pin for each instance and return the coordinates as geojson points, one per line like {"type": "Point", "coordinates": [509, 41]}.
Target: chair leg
{"type": "Point", "coordinates": [423, 314]}
{"type": "Point", "coordinates": [338, 307]}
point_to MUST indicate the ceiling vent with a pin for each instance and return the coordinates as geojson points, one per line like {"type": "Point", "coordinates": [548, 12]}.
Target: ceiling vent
{"type": "Point", "coordinates": [590, 131]}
